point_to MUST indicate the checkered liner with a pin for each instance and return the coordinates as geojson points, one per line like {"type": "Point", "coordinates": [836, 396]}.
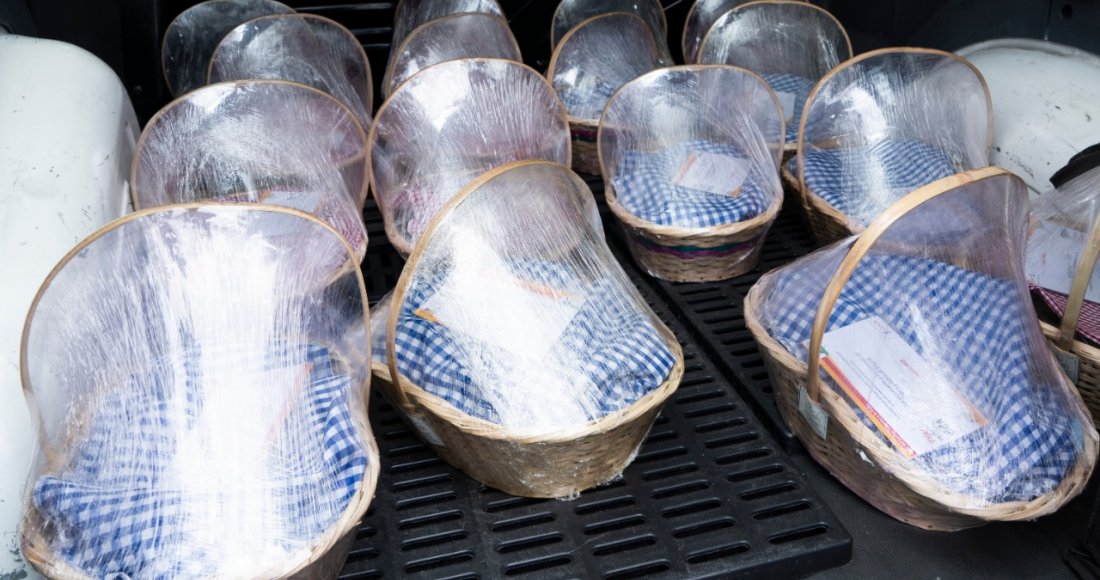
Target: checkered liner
{"type": "Point", "coordinates": [117, 508]}
{"type": "Point", "coordinates": [798, 86]}
{"type": "Point", "coordinates": [645, 187]}
{"type": "Point", "coordinates": [1088, 323]}
{"type": "Point", "coordinates": [617, 347]}
{"type": "Point", "coordinates": [838, 175]}
{"type": "Point", "coordinates": [1031, 441]}
{"type": "Point", "coordinates": [587, 102]}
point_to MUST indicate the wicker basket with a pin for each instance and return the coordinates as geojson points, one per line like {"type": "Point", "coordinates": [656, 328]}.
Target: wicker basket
{"type": "Point", "coordinates": [327, 553]}
{"type": "Point", "coordinates": [552, 464]}
{"type": "Point", "coordinates": [853, 452]}
{"type": "Point", "coordinates": [583, 134]}
{"type": "Point", "coordinates": [827, 223]}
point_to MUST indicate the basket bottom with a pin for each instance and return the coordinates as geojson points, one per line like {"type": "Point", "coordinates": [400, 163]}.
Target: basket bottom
{"type": "Point", "coordinates": [687, 263]}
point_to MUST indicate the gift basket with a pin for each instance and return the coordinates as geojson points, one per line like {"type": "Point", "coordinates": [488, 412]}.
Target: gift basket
{"type": "Point", "coordinates": [590, 63]}
{"type": "Point", "coordinates": [571, 13]}
{"type": "Point", "coordinates": [1061, 270]}
{"type": "Point", "coordinates": [191, 37]}
{"type": "Point", "coordinates": [201, 396]}
{"type": "Point", "coordinates": [515, 344]}
{"type": "Point", "coordinates": [411, 14]}
{"type": "Point", "coordinates": [450, 123]}
{"type": "Point", "coordinates": [700, 17]}
{"type": "Point", "coordinates": [792, 44]}
{"type": "Point", "coordinates": [452, 37]}
{"type": "Point", "coordinates": [273, 142]}
{"type": "Point", "coordinates": [909, 361]}
{"type": "Point", "coordinates": [883, 124]}
{"type": "Point", "coordinates": [690, 159]}
{"type": "Point", "coordinates": [302, 48]}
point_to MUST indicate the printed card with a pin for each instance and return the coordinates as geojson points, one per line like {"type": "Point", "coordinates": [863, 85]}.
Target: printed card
{"type": "Point", "coordinates": [713, 173]}
{"type": "Point", "coordinates": [786, 100]}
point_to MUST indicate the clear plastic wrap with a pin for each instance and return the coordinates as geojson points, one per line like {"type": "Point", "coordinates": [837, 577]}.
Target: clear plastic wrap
{"type": "Point", "coordinates": [201, 399]}
{"type": "Point", "coordinates": [700, 17]}
{"type": "Point", "coordinates": [273, 142]}
{"type": "Point", "coordinates": [449, 124]}
{"type": "Point", "coordinates": [191, 37]}
{"type": "Point", "coordinates": [521, 349]}
{"type": "Point", "coordinates": [571, 13]}
{"type": "Point", "coordinates": [411, 14]}
{"type": "Point", "coordinates": [791, 44]}
{"type": "Point", "coordinates": [302, 48]}
{"type": "Point", "coordinates": [690, 158]}
{"type": "Point", "coordinates": [935, 396]}
{"type": "Point", "coordinates": [887, 122]}
{"type": "Point", "coordinates": [466, 35]}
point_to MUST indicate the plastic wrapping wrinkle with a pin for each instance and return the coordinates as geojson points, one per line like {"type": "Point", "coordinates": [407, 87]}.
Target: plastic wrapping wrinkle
{"type": "Point", "coordinates": [798, 88]}
{"type": "Point", "coordinates": [835, 175]}
{"type": "Point", "coordinates": [302, 48]}
{"type": "Point", "coordinates": [700, 18]}
{"type": "Point", "coordinates": [452, 37]}
{"type": "Point", "coordinates": [191, 37]}
{"type": "Point", "coordinates": [408, 15]}
{"type": "Point", "coordinates": [644, 186]}
{"type": "Point", "coordinates": [1027, 447]}
{"type": "Point", "coordinates": [571, 13]}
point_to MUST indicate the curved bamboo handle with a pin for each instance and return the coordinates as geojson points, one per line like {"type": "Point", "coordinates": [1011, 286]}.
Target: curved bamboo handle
{"type": "Point", "coordinates": [396, 299]}
{"type": "Point", "coordinates": [1085, 265]}
{"type": "Point", "coordinates": [860, 248]}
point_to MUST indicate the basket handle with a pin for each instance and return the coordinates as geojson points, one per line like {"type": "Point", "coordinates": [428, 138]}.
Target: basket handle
{"type": "Point", "coordinates": [860, 248]}
{"type": "Point", "coordinates": [1085, 265]}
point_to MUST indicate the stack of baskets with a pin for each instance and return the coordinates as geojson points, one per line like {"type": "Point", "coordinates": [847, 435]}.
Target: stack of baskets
{"type": "Point", "coordinates": [909, 362]}
{"type": "Point", "coordinates": [696, 190]}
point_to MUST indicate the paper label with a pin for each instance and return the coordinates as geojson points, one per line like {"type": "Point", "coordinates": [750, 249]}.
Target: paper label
{"type": "Point", "coordinates": [712, 173]}
{"type": "Point", "coordinates": [910, 402]}
{"type": "Point", "coordinates": [527, 318]}
{"type": "Point", "coordinates": [814, 414]}
{"type": "Point", "coordinates": [1069, 363]}
{"type": "Point", "coordinates": [786, 100]}
{"type": "Point", "coordinates": [1052, 257]}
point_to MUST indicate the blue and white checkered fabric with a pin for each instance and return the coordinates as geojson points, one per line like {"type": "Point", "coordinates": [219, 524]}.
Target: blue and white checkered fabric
{"type": "Point", "coordinates": [977, 324]}
{"type": "Point", "coordinates": [118, 509]}
{"type": "Point", "coordinates": [645, 186]}
{"type": "Point", "coordinates": [589, 101]}
{"type": "Point", "coordinates": [843, 177]}
{"type": "Point", "coordinates": [799, 88]}
{"type": "Point", "coordinates": [609, 342]}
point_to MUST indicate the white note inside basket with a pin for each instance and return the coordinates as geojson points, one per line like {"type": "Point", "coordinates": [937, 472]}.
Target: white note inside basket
{"type": "Point", "coordinates": [904, 395]}
{"type": "Point", "coordinates": [786, 101]}
{"type": "Point", "coordinates": [528, 317]}
{"type": "Point", "coordinates": [712, 173]}
{"type": "Point", "coordinates": [1052, 256]}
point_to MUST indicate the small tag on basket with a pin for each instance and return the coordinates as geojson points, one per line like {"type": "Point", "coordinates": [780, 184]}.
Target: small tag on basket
{"type": "Point", "coordinates": [1069, 362]}
{"type": "Point", "coordinates": [814, 414]}
{"type": "Point", "coordinates": [786, 100]}
{"type": "Point", "coordinates": [712, 173]}
{"type": "Point", "coordinates": [426, 431]}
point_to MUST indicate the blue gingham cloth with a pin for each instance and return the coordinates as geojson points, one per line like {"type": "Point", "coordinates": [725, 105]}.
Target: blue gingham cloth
{"type": "Point", "coordinates": [800, 88]}
{"type": "Point", "coordinates": [839, 176]}
{"type": "Point", "coordinates": [117, 511]}
{"type": "Point", "coordinates": [645, 186]}
{"type": "Point", "coordinates": [1031, 440]}
{"type": "Point", "coordinates": [616, 346]}
{"type": "Point", "coordinates": [587, 102]}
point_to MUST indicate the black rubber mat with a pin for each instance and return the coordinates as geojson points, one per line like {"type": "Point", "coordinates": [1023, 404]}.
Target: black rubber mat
{"type": "Point", "coordinates": [710, 493]}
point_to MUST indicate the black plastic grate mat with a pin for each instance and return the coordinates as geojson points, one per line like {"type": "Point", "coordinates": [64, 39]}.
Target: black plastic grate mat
{"type": "Point", "coordinates": [710, 493]}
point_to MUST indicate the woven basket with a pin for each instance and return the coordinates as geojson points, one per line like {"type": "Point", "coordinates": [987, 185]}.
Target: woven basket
{"type": "Point", "coordinates": [328, 552]}
{"type": "Point", "coordinates": [586, 158]}
{"type": "Point", "coordinates": [854, 453]}
{"type": "Point", "coordinates": [1081, 359]}
{"type": "Point", "coordinates": [548, 465]}
{"type": "Point", "coordinates": [827, 223]}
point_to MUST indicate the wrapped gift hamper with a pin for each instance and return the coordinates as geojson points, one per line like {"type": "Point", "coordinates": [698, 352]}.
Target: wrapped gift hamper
{"type": "Point", "coordinates": [909, 361]}
{"type": "Point", "coordinates": [450, 123]}
{"type": "Point", "coordinates": [191, 37]}
{"type": "Point", "coordinates": [700, 17]}
{"type": "Point", "coordinates": [273, 142]}
{"type": "Point", "coordinates": [883, 124]}
{"type": "Point", "coordinates": [409, 15]}
{"type": "Point", "coordinates": [792, 44]}
{"type": "Point", "coordinates": [690, 159]}
{"type": "Point", "coordinates": [590, 63]}
{"type": "Point", "coordinates": [467, 35]}
{"type": "Point", "coordinates": [571, 13]}
{"type": "Point", "coordinates": [302, 48]}
{"type": "Point", "coordinates": [201, 391]}
{"type": "Point", "coordinates": [1061, 270]}
{"type": "Point", "coordinates": [516, 345]}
